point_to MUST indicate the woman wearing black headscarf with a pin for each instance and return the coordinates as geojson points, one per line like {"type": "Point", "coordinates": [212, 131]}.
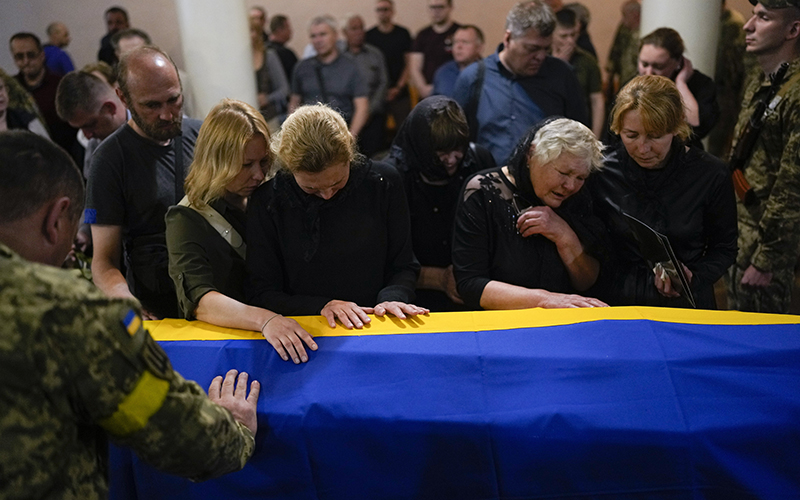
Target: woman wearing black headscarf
{"type": "Point", "coordinates": [433, 154]}
{"type": "Point", "coordinates": [524, 234]}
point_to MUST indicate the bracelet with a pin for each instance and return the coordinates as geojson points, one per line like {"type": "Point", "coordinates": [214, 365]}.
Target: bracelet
{"type": "Point", "coordinates": [267, 322]}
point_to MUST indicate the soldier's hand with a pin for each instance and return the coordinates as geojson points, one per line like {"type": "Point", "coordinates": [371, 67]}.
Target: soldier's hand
{"type": "Point", "coordinates": [232, 394]}
{"type": "Point", "coordinates": [755, 278]}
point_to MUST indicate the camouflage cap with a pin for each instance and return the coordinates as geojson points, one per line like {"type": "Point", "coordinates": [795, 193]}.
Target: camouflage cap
{"type": "Point", "coordinates": [777, 4]}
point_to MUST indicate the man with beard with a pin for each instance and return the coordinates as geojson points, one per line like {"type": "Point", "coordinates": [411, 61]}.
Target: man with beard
{"type": "Point", "coordinates": [136, 174]}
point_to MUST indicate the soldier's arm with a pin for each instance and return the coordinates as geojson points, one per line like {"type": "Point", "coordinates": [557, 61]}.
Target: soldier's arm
{"type": "Point", "coordinates": [779, 227]}
{"type": "Point", "coordinates": [125, 383]}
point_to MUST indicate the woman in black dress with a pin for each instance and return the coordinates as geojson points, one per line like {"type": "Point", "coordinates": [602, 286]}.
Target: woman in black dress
{"type": "Point", "coordinates": [433, 154]}
{"type": "Point", "coordinates": [329, 234]}
{"type": "Point", "coordinates": [524, 233]}
{"type": "Point", "coordinates": [680, 191]}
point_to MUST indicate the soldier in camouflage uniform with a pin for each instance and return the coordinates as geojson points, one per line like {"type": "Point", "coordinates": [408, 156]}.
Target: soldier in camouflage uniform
{"type": "Point", "coordinates": [77, 367]}
{"type": "Point", "coordinates": [769, 230]}
{"type": "Point", "coordinates": [624, 54]}
{"type": "Point", "coordinates": [729, 77]}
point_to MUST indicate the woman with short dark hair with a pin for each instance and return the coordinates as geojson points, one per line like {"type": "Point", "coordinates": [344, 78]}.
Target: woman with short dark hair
{"type": "Point", "coordinates": [433, 153]}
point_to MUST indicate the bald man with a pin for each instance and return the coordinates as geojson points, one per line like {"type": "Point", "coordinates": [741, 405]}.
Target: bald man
{"type": "Point", "coordinates": [56, 59]}
{"type": "Point", "coordinates": [136, 174]}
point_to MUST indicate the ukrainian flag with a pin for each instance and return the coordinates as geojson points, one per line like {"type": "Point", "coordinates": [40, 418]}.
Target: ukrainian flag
{"type": "Point", "coordinates": [590, 403]}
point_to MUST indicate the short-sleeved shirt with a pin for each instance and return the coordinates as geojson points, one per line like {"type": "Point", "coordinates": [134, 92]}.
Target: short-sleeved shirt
{"type": "Point", "coordinates": [373, 67]}
{"type": "Point", "coordinates": [342, 80]}
{"type": "Point", "coordinates": [72, 361]}
{"type": "Point", "coordinates": [436, 47]}
{"type": "Point", "coordinates": [132, 182]}
{"type": "Point", "coordinates": [394, 45]}
{"type": "Point", "coordinates": [57, 60]}
{"type": "Point", "coordinates": [509, 105]}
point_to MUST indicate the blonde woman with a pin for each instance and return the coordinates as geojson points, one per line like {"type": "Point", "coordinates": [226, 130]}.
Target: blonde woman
{"type": "Point", "coordinates": [206, 232]}
{"type": "Point", "coordinates": [330, 232]}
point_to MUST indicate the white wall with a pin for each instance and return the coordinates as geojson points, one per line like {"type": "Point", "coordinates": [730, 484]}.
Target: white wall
{"type": "Point", "coordinates": [159, 19]}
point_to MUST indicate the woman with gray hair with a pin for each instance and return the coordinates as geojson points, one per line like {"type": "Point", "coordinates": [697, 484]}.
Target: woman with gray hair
{"type": "Point", "coordinates": [524, 234]}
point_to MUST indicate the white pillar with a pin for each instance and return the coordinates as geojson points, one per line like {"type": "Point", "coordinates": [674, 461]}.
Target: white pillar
{"type": "Point", "coordinates": [215, 36]}
{"type": "Point", "coordinates": [697, 21]}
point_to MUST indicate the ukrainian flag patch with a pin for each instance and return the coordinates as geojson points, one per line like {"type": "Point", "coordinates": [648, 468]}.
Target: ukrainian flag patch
{"type": "Point", "coordinates": [89, 216]}
{"type": "Point", "coordinates": [132, 322]}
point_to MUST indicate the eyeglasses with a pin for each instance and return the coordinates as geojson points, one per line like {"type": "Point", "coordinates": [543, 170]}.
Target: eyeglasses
{"type": "Point", "coordinates": [20, 56]}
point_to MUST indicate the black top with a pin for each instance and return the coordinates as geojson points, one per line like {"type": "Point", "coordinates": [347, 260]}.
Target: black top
{"type": "Point", "coordinates": [287, 57]}
{"type": "Point", "coordinates": [106, 52]}
{"type": "Point", "coordinates": [394, 45]}
{"type": "Point", "coordinates": [436, 47]}
{"type": "Point", "coordinates": [704, 91]}
{"type": "Point", "coordinates": [488, 247]}
{"type": "Point", "coordinates": [45, 96]}
{"type": "Point", "coordinates": [18, 119]}
{"type": "Point", "coordinates": [304, 251]}
{"type": "Point", "coordinates": [431, 193]}
{"type": "Point", "coordinates": [200, 259]}
{"type": "Point", "coordinates": [585, 42]}
{"type": "Point", "coordinates": [132, 182]}
{"type": "Point", "coordinates": [690, 200]}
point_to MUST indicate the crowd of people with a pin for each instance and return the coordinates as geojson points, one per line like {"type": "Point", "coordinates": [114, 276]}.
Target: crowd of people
{"type": "Point", "coordinates": [379, 175]}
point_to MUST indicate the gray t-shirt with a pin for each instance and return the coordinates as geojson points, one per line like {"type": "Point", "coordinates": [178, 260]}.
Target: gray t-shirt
{"type": "Point", "coordinates": [342, 80]}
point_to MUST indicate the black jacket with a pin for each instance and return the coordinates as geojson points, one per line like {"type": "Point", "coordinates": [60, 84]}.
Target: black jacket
{"type": "Point", "coordinates": [690, 200]}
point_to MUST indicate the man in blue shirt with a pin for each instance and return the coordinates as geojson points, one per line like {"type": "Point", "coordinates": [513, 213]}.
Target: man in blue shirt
{"type": "Point", "coordinates": [56, 59]}
{"type": "Point", "coordinates": [520, 85]}
{"type": "Point", "coordinates": [467, 48]}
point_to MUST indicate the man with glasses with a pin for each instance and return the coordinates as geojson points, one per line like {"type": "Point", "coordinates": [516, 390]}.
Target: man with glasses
{"type": "Point", "coordinates": [508, 92]}
{"type": "Point", "coordinates": [432, 47]}
{"type": "Point", "coordinates": [28, 54]}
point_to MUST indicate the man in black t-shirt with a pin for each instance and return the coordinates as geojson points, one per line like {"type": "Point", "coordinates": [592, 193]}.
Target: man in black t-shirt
{"type": "Point", "coordinates": [432, 47]}
{"type": "Point", "coordinates": [280, 34]}
{"type": "Point", "coordinates": [395, 43]}
{"type": "Point", "coordinates": [136, 174]}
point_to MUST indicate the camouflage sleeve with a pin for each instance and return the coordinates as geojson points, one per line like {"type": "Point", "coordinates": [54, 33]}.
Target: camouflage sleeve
{"type": "Point", "coordinates": [615, 53]}
{"type": "Point", "coordinates": [779, 227]}
{"type": "Point", "coordinates": [126, 384]}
